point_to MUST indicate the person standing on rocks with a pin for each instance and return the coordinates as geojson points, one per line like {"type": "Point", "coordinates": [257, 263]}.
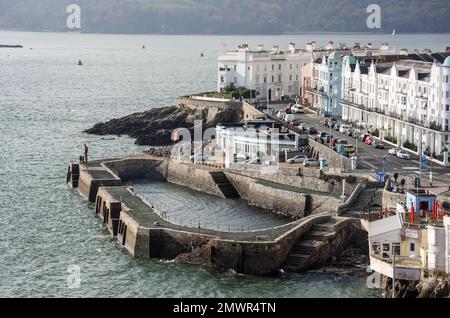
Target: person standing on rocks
{"type": "Point", "coordinates": [86, 150]}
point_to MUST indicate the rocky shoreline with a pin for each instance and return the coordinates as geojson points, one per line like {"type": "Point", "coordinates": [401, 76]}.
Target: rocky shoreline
{"type": "Point", "coordinates": [154, 127]}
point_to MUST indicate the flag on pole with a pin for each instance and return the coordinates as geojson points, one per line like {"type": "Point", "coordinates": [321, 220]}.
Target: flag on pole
{"type": "Point", "coordinates": [434, 209]}
{"type": "Point", "coordinates": [412, 212]}
{"type": "Point", "coordinates": [437, 209]}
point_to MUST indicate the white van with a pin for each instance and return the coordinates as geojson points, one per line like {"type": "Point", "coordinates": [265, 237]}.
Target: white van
{"type": "Point", "coordinates": [289, 117]}
{"type": "Point", "coordinates": [297, 108]}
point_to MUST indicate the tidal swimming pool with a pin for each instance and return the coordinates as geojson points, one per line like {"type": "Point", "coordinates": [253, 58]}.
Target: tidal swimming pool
{"type": "Point", "coordinates": [184, 206]}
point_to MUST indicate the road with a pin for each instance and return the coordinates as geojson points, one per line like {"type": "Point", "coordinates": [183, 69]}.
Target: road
{"type": "Point", "coordinates": [371, 159]}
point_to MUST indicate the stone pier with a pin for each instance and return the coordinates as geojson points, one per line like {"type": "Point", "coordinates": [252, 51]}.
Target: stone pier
{"type": "Point", "coordinates": [146, 233]}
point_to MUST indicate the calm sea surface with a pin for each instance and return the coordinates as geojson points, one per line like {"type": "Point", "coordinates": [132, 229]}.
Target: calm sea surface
{"type": "Point", "coordinates": [46, 101]}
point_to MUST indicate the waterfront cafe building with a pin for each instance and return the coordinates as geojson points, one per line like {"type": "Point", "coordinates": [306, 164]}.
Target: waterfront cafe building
{"type": "Point", "coordinates": [395, 245]}
{"type": "Point", "coordinates": [407, 101]}
{"type": "Point", "coordinates": [411, 245]}
{"type": "Point", "coordinates": [260, 139]}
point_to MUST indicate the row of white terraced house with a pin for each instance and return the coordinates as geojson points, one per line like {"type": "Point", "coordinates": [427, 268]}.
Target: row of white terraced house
{"type": "Point", "coordinates": [407, 101]}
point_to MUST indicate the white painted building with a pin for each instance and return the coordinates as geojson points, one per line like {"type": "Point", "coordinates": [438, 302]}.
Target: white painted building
{"type": "Point", "coordinates": [321, 77]}
{"type": "Point", "coordinates": [436, 252]}
{"type": "Point", "coordinates": [323, 90]}
{"type": "Point", "coordinates": [447, 242]}
{"type": "Point", "coordinates": [271, 73]}
{"type": "Point", "coordinates": [253, 139]}
{"type": "Point", "coordinates": [408, 99]}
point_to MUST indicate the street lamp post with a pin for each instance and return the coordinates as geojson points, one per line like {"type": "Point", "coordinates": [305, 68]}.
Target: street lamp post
{"type": "Point", "coordinates": [431, 171]}
{"type": "Point", "coordinates": [393, 272]}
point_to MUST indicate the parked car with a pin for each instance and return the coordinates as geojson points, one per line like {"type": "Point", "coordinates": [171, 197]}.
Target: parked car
{"type": "Point", "coordinates": [330, 122]}
{"type": "Point", "coordinates": [312, 130]}
{"type": "Point", "coordinates": [369, 140]}
{"type": "Point", "coordinates": [393, 151]}
{"type": "Point", "coordinates": [289, 117]}
{"type": "Point", "coordinates": [311, 163]}
{"type": "Point", "coordinates": [297, 108]}
{"type": "Point", "coordinates": [240, 158]}
{"type": "Point", "coordinates": [327, 139]}
{"type": "Point", "coordinates": [341, 142]}
{"type": "Point", "coordinates": [297, 159]}
{"type": "Point", "coordinates": [349, 132]}
{"type": "Point", "coordinates": [362, 137]}
{"type": "Point", "coordinates": [320, 135]}
{"type": "Point", "coordinates": [377, 144]}
{"type": "Point", "coordinates": [361, 124]}
{"type": "Point", "coordinates": [402, 154]}
{"type": "Point", "coordinates": [343, 129]}
{"type": "Point", "coordinates": [253, 162]}
{"type": "Point", "coordinates": [303, 126]}
{"type": "Point", "coordinates": [293, 122]}
{"type": "Point", "coordinates": [346, 150]}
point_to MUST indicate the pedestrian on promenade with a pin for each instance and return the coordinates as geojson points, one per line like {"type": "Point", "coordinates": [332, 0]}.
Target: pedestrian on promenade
{"type": "Point", "coordinates": [86, 150]}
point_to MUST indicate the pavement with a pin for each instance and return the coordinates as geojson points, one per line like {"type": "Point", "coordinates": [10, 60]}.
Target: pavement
{"type": "Point", "coordinates": [371, 159]}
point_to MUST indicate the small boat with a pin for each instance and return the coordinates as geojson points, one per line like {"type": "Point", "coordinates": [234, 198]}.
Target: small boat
{"type": "Point", "coordinates": [11, 46]}
{"type": "Point", "coordinates": [80, 63]}
{"type": "Point", "coordinates": [393, 32]}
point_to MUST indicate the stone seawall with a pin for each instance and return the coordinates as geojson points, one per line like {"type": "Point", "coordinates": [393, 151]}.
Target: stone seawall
{"type": "Point", "coordinates": [303, 178]}
{"type": "Point", "coordinates": [135, 169]}
{"type": "Point", "coordinates": [286, 201]}
{"type": "Point", "coordinates": [345, 233]}
{"type": "Point", "coordinates": [91, 180]}
{"type": "Point", "coordinates": [140, 230]}
{"type": "Point", "coordinates": [145, 234]}
{"type": "Point", "coordinates": [204, 103]}
{"type": "Point", "coordinates": [335, 160]}
{"type": "Point", "coordinates": [189, 176]}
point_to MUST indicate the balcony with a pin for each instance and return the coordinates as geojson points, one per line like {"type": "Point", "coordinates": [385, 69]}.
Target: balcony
{"type": "Point", "coordinates": [435, 126]}
{"type": "Point", "coordinates": [405, 268]}
{"type": "Point", "coordinates": [416, 121]}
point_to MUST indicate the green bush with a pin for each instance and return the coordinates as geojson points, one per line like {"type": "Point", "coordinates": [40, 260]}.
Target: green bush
{"type": "Point", "coordinates": [410, 146]}
{"type": "Point", "coordinates": [349, 179]}
{"type": "Point", "coordinates": [391, 139]}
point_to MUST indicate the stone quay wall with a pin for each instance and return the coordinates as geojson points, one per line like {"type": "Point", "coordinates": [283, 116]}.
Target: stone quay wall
{"type": "Point", "coordinates": [335, 160]}
{"type": "Point", "coordinates": [129, 169]}
{"type": "Point", "coordinates": [200, 103]}
{"type": "Point", "coordinates": [189, 176]}
{"type": "Point", "coordinates": [247, 257]}
{"type": "Point", "coordinates": [345, 233]}
{"type": "Point", "coordinates": [285, 202]}
{"type": "Point", "coordinates": [89, 185]}
{"type": "Point", "coordinates": [303, 178]}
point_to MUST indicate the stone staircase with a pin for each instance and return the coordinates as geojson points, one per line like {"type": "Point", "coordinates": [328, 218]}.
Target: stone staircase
{"type": "Point", "coordinates": [224, 185]}
{"type": "Point", "coordinates": [307, 246]}
{"type": "Point", "coordinates": [368, 198]}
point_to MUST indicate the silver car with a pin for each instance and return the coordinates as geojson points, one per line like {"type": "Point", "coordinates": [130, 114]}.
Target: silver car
{"type": "Point", "coordinates": [311, 163]}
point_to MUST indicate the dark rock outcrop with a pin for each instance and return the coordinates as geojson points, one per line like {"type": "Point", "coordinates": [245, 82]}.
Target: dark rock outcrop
{"type": "Point", "coordinates": [154, 127]}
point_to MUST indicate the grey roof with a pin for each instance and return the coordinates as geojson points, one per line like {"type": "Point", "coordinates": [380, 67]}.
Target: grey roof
{"type": "Point", "coordinates": [385, 225]}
